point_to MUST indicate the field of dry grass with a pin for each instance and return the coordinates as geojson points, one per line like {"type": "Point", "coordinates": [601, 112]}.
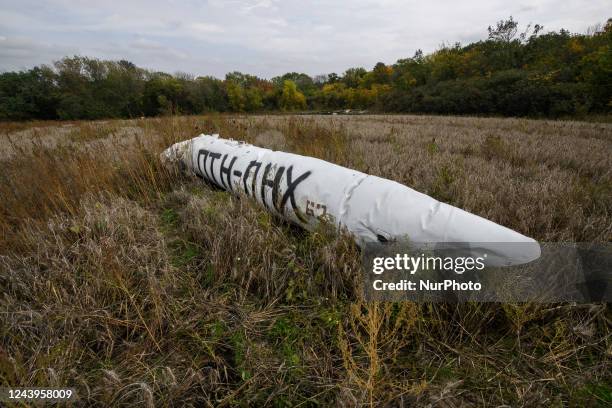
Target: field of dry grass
{"type": "Point", "coordinates": [139, 286]}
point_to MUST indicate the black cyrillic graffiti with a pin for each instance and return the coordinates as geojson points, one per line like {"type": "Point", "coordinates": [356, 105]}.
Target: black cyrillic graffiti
{"type": "Point", "coordinates": [276, 188]}
{"type": "Point", "coordinates": [213, 157]}
{"type": "Point", "coordinates": [202, 168]}
{"type": "Point", "coordinates": [265, 182]}
{"type": "Point", "coordinates": [201, 152]}
{"type": "Point", "coordinates": [227, 171]}
{"type": "Point", "coordinates": [202, 173]}
{"type": "Point", "coordinates": [252, 164]}
{"type": "Point", "coordinates": [289, 193]}
{"type": "Point", "coordinates": [205, 157]}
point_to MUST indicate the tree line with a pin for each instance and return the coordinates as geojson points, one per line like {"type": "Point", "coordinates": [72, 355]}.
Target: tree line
{"type": "Point", "coordinates": [511, 73]}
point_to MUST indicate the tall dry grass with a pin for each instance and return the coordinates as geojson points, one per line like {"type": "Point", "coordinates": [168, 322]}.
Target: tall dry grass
{"type": "Point", "coordinates": [138, 286]}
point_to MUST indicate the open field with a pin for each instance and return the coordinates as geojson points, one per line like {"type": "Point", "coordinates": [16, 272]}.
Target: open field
{"type": "Point", "coordinates": [139, 286]}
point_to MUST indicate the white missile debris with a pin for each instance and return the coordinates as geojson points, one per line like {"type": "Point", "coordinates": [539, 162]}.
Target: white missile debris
{"type": "Point", "coordinates": [305, 190]}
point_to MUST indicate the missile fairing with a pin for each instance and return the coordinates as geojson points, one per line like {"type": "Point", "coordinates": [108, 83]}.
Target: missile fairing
{"type": "Point", "coordinates": [304, 190]}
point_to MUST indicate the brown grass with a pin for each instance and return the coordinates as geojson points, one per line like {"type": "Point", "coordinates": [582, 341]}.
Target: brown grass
{"type": "Point", "coordinates": [138, 286]}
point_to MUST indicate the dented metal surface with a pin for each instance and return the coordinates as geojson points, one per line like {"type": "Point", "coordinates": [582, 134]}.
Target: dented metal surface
{"type": "Point", "coordinates": [305, 190]}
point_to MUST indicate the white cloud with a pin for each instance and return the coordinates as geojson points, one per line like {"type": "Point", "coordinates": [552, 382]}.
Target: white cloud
{"type": "Point", "coordinates": [145, 44]}
{"type": "Point", "coordinates": [206, 28]}
{"type": "Point", "coordinates": [20, 53]}
{"type": "Point", "coordinates": [264, 37]}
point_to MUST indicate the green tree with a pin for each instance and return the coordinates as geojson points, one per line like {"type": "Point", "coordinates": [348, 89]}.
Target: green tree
{"type": "Point", "coordinates": [236, 96]}
{"type": "Point", "coordinates": [162, 95]}
{"type": "Point", "coordinates": [253, 99]}
{"type": "Point", "coordinates": [29, 94]}
{"type": "Point", "coordinates": [353, 77]}
{"type": "Point", "coordinates": [291, 98]}
{"type": "Point", "coordinates": [207, 94]}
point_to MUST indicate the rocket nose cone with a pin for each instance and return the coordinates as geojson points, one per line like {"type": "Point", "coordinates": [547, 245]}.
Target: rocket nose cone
{"type": "Point", "coordinates": [530, 250]}
{"type": "Point", "coordinates": [502, 246]}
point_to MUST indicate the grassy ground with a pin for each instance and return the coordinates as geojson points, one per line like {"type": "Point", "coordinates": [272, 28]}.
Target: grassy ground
{"type": "Point", "coordinates": [138, 286]}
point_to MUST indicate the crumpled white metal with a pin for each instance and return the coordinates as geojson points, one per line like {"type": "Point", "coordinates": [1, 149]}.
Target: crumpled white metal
{"type": "Point", "coordinates": [304, 190]}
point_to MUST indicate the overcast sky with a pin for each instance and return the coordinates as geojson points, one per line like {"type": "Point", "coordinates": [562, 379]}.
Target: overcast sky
{"type": "Point", "coordinates": [263, 37]}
